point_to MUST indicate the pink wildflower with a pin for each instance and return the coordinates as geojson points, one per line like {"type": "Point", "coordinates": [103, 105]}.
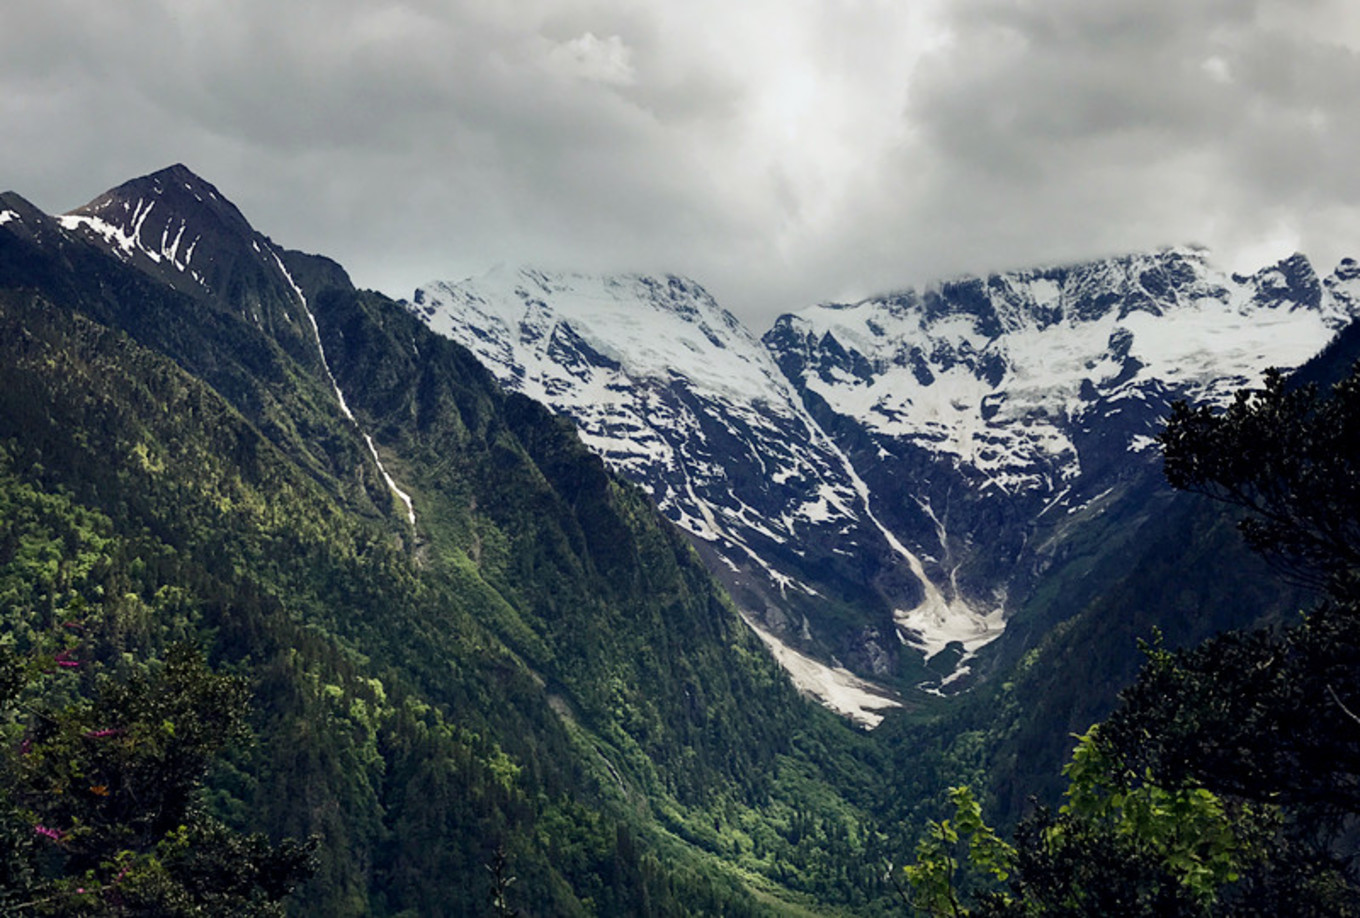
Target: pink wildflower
{"type": "Point", "coordinates": [107, 731]}
{"type": "Point", "coordinates": [54, 834]}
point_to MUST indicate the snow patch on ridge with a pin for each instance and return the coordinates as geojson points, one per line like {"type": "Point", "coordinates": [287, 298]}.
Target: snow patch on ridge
{"type": "Point", "coordinates": [128, 240]}
{"type": "Point", "coordinates": [392, 485]}
{"type": "Point", "coordinates": [316, 333]}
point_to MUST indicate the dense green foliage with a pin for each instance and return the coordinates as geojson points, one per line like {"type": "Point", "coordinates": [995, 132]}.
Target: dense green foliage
{"type": "Point", "coordinates": [100, 810]}
{"type": "Point", "coordinates": [1116, 847]}
{"type": "Point", "coordinates": [541, 669]}
{"type": "Point", "coordinates": [945, 848]}
{"type": "Point", "coordinates": [1268, 714]}
{"type": "Point", "coordinates": [1292, 458]}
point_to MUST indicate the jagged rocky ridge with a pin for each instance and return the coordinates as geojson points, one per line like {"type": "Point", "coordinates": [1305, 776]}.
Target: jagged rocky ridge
{"type": "Point", "coordinates": [894, 475]}
{"type": "Point", "coordinates": [175, 227]}
{"type": "Point", "coordinates": [675, 393]}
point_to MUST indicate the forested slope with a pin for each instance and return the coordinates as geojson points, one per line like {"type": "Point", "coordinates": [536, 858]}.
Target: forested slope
{"type": "Point", "coordinates": [540, 665]}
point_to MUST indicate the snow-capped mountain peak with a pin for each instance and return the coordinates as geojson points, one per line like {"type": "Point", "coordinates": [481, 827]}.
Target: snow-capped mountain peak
{"type": "Point", "coordinates": [676, 394]}
{"type": "Point", "coordinates": [998, 372]}
{"type": "Point", "coordinates": [650, 327]}
{"type": "Point", "coordinates": [177, 228]}
{"type": "Point", "coordinates": [170, 220]}
{"type": "Point", "coordinates": [875, 476]}
{"type": "Point", "coordinates": [614, 352]}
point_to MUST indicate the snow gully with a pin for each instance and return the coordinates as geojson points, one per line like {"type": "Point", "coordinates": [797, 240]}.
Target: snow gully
{"type": "Point", "coordinates": [344, 407]}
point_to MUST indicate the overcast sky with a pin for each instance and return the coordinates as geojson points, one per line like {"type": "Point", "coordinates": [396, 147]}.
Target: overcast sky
{"type": "Point", "coordinates": [781, 152]}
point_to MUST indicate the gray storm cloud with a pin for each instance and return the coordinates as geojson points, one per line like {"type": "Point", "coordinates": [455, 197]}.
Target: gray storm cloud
{"type": "Point", "coordinates": [780, 152]}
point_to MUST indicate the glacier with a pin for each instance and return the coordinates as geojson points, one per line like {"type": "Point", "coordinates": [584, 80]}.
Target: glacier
{"type": "Point", "coordinates": [903, 452]}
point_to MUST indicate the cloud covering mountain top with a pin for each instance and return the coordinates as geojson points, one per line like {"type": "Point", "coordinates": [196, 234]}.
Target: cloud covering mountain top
{"type": "Point", "coordinates": [782, 153]}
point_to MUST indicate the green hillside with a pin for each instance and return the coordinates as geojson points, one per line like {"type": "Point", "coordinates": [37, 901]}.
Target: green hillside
{"type": "Point", "coordinates": [541, 667]}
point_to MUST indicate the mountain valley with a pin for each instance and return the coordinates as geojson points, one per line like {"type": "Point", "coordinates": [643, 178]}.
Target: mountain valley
{"type": "Point", "coordinates": [517, 571]}
{"type": "Point", "coordinates": [879, 485]}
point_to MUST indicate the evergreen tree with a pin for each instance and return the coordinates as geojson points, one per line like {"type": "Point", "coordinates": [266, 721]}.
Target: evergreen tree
{"type": "Point", "coordinates": [1290, 455]}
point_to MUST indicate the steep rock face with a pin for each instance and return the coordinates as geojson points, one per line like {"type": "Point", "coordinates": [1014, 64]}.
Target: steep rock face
{"type": "Point", "coordinates": [175, 226]}
{"type": "Point", "coordinates": [168, 259]}
{"type": "Point", "coordinates": [676, 394]}
{"type": "Point", "coordinates": [1014, 402]}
